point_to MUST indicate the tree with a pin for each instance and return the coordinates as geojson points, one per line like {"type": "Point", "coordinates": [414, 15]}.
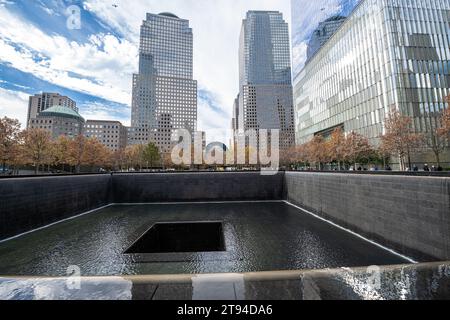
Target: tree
{"type": "Point", "coordinates": [9, 140]}
{"type": "Point", "coordinates": [134, 156]}
{"type": "Point", "coordinates": [288, 156]}
{"type": "Point", "coordinates": [357, 148]}
{"type": "Point", "coordinates": [436, 142]}
{"type": "Point", "coordinates": [336, 147]}
{"type": "Point", "coordinates": [444, 131]}
{"type": "Point", "coordinates": [317, 152]}
{"type": "Point", "coordinates": [119, 159]}
{"type": "Point", "coordinates": [399, 138]}
{"type": "Point", "coordinates": [61, 151]}
{"type": "Point", "coordinates": [76, 152]}
{"type": "Point", "coordinates": [95, 154]}
{"type": "Point", "coordinates": [36, 148]}
{"type": "Point", "coordinates": [167, 161]}
{"type": "Point", "coordinates": [151, 155]}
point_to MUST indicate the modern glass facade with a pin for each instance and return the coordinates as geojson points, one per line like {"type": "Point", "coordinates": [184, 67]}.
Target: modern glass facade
{"type": "Point", "coordinates": [164, 92]}
{"type": "Point", "coordinates": [323, 33]}
{"type": "Point", "coordinates": [387, 53]}
{"type": "Point", "coordinates": [265, 98]}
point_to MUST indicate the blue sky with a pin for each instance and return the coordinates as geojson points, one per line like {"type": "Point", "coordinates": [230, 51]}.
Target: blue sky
{"type": "Point", "coordinates": [94, 65]}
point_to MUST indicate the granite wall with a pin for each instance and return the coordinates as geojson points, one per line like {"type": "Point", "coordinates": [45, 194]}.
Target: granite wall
{"type": "Point", "coordinates": [30, 203]}
{"type": "Point", "coordinates": [204, 186]}
{"type": "Point", "coordinates": [408, 214]}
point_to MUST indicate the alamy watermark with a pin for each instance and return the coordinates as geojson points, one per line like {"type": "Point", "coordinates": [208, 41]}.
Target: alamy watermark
{"type": "Point", "coordinates": [259, 148]}
{"type": "Point", "coordinates": [73, 14]}
{"type": "Point", "coordinates": [73, 281]}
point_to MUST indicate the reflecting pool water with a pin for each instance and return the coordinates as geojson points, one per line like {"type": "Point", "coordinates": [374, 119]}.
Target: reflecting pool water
{"type": "Point", "coordinates": [261, 236]}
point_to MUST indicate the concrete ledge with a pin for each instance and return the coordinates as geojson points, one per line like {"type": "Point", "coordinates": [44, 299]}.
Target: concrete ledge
{"type": "Point", "coordinates": [429, 281]}
{"type": "Point", "coordinates": [408, 214]}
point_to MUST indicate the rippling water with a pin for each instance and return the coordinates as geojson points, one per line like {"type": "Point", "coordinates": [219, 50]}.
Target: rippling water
{"type": "Point", "coordinates": [259, 237]}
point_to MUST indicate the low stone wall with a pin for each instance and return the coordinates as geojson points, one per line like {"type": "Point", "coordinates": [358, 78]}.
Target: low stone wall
{"type": "Point", "coordinates": [408, 214]}
{"type": "Point", "coordinates": [227, 186]}
{"type": "Point", "coordinates": [30, 203]}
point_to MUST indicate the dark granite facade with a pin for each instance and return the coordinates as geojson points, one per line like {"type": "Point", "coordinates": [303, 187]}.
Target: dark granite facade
{"type": "Point", "coordinates": [233, 186]}
{"type": "Point", "coordinates": [30, 203]}
{"type": "Point", "coordinates": [408, 214]}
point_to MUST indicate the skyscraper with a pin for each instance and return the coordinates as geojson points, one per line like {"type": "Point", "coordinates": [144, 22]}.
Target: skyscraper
{"type": "Point", "coordinates": [164, 92]}
{"type": "Point", "coordinates": [265, 98]}
{"type": "Point", "coordinates": [323, 33]}
{"type": "Point", "coordinates": [386, 54]}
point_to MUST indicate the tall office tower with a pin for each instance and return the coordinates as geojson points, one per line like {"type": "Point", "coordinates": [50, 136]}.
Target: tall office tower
{"type": "Point", "coordinates": [164, 92]}
{"type": "Point", "coordinates": [323, 33]}
{"type": "Point", "coordinates": [44, 101]}
{"type": "Point", "coordinates": [386, 54]}
{"type": "Point", "coordinates": [265, 98]}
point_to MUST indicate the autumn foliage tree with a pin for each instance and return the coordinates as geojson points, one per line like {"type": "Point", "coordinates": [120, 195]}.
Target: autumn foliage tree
{"type": "Point", "coordinates": [400, 139]}
{"type": "Point", "coordinates": [357, 148]}
{"type": "Point", "coordinates": [134, 156]}
{"type": "Point", "coordinates": [96, 154]}
{"type": "Point", "coordinates": [88, 152]}
{"type": "Point", "coordinates": [9, 141]}
{"type": "Point", "coordinates": [445, 124]}
{"type": "Point", "coordinates": [444, 130]}
{"type": "Point", "coordinates": [336, 146]}
{"type": "Point", "coordinates": [61, 151]}
{"type": "Point", "coordinates": [36, 147]}
{"type": "Point", "coordinates": [317, 152]}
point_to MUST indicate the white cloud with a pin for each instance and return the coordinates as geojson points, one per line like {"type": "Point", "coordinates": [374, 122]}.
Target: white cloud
{"type": "Point", "coordinates": [5, 2]}
{"type": "Point", "coordinates": [14, 104]}
{"type": "Point", "coordinates": [53, 58]}
{"type": "Point", "coordinates": [100, 111]}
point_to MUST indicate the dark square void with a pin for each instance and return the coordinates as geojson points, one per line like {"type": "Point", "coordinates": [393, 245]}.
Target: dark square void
{"type": "Point", "coordinates": [180, 238]}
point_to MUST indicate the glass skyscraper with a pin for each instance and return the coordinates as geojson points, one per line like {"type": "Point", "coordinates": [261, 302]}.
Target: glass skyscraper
{"type": "Point", "coordinates": [265, 98]}
{"type": "Point", "coordinates": [387, 53]}
{"type": "Point", "coordinates": [164, 92]}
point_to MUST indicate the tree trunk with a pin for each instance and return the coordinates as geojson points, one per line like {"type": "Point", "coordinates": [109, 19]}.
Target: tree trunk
{"type": "Point", "coordinates": [409, 160]}
{"type": "Point", "coordinates": [438, 158]}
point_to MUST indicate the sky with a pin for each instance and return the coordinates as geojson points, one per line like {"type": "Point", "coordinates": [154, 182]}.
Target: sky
{"type": "Point", "coordinates": [40, 50]}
